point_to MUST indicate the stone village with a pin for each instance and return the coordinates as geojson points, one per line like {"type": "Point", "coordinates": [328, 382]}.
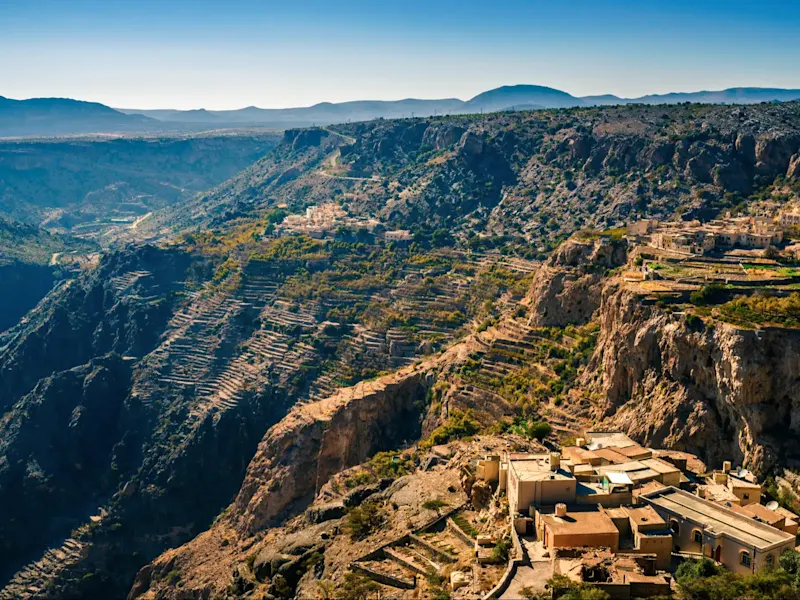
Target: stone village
{"type": "Point", "coordinates": [604, 512]}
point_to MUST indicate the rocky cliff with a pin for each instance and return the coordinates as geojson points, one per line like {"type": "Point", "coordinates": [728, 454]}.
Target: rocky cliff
{"type": "Point", "coordinates": [294, 460]}
{"type": "Point", "coordinates": [567, 289]}
{"type": "Point", "coordinates": [716, 390]}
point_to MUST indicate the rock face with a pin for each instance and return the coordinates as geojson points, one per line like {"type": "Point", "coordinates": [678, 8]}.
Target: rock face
{"type": "Point", "coordinates": [720, 392]}
{"type": "Point", "coordinates": [297, 457]}
{"type": "Point", "coordinates": [314, 441]}
{"type": "Point", "coordinates": [794, 168]}
{"type": "Point", "coordinates": [568, 288]}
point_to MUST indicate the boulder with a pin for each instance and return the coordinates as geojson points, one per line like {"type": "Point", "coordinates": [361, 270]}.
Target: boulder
{"type": "Point", "coordinates": [325, 512]}
{"type": "Point", "coordinates": [470, 146]}
{"type": "Point", "coordinates": [480, 495]}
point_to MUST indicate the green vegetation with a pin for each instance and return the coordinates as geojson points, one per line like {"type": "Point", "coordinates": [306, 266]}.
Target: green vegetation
{"type": "Point", "coordinates": [783, 495]}
{"type": "Point", "coordinates": [365, 519]}
{"type": "Point", "coordinates": [704, 580]}
{"type": "Point", "coordinates": [461, 424]}
{"type": "Point", "coordinates": [434, 504]}
{"type": "Point", "coordinates": [500, 551]}
{"type": "Point", "coordinates": [708, 294]}
{"type": "Point", "coordinates": [762, 310]}
{"type": "Point", "coordinates": [564, 588]}
{"type": "Point", "coordinates": [356, 587]}
{"type": "Point", "coordinates": [531, 429]}
{"type": "Point", "coordinates": [384, 465]}
{"type": "Point", "coordinates": [465, 525]}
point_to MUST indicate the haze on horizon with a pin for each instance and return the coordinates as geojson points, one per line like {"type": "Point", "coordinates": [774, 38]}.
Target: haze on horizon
{"type": "Point", "coordinates": [185, 54]}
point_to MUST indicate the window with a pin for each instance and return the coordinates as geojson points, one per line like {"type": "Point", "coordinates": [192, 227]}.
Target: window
{"type": "Point", "coordinates": [673, 525]}
{"type": "Point", "coordinates": [698, 537]}
{"type": "Point", "coordinates": [744, 558]}
{"type": "Point", "coordinates": [769, 561]}
{"type": "Point", "coordinates": [746, 496]}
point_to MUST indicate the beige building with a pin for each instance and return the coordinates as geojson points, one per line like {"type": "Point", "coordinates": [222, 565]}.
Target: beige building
{"type": "Point", "coordinates": [643, 531]}
{"type": "Point", "coordinates": [642, 471]}
{"type": "Point", "coordinates": [724, 486]}
{"type": "Point", "coordinates": [742, 544]}
{"type": "Point", "coordinates": [789, 218]}
{"type": "Point", "coordinates": [577, 529]}
{"type": "Point", "coordinates": [642, 227]}
{"type": "Point", "coordinates": [539, 479]}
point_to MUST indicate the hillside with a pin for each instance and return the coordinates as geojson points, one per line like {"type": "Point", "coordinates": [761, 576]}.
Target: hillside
{"type": "Point", "coordinates": [260, 363]}
{"type": "Point", "coordinates": [62, 116]}
{"type": "Point", "coordinates": [531, 176]}
{"type": "Point", "coordinates": [31, 262]}
{"type": "Point", "coordinates": [90, 185]}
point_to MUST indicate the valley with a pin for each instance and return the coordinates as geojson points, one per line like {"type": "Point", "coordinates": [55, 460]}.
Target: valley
{"type": "Point", "coordinates": [344, 322]}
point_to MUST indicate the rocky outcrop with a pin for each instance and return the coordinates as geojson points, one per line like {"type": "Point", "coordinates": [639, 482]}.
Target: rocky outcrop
{"type": "Point", "coordinates": [295, 459]}
{"type": "Point", "coordinates": [567, 289]}
{"type": "Point", "coordinates": [718, 391]}
{"type": "Point", "coordinates": [314, 441]}
{"type": "Point", "coordinates": [441, 135]}
{"type": "Point", "coordinates": [794, 168]}
{"type": "Point", "coordinates": [300, 139]}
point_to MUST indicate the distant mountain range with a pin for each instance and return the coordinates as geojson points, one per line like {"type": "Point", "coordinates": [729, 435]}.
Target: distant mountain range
{"type": "Point", "coordinates": [61, 116]}
{"type": "Point", "coordinates": [58, 116]}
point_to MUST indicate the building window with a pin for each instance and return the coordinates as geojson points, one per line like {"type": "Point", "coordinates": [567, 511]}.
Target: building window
{"type": "Point", "coordinates": [698, 537]}
{"type": "Point", "coordinates": [769, 561]}
{"type": "Point", "coordinates": [744, 558]}
{"type": "Point", "coordinates": [673, 525]}
{"type": "Point", "coordinates": [746, 496]}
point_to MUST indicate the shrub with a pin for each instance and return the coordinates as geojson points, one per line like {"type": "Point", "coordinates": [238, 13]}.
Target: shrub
{"type": "Point", "coordinates": [708, 294]}
{"type": "Point", "coordinates": [500, 551]}
{"type": "Point", "coordinates": [539, 430]}
{"type": "Point", "coordinates": [363, 520]}
{"type": "Point", "coordinates": [356, 587]}
{"type": "Point", "coordinates": [434, 504]}
{"type": "Point", "coordinates": [459, 425]}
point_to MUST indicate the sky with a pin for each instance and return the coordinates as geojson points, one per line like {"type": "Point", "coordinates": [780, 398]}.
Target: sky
{"type": "Point", "coordinates": [230, 54]}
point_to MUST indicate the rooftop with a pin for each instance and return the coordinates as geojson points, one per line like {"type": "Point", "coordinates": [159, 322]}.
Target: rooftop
{"type": "Point", "coordinates": [645, 516]}
{"type": "Point", "coordinates": [611, 455]}
{"type": "Point", "coordinates": [576, 523]}
{"type": "Point", "coordinates": [603, 439]}
{"type": "Point", "coordinates": [537, 468]}
{"type": "Point", "coordinates": [717, 519]}
{"type": "Point", "coordinates": [759, 512]}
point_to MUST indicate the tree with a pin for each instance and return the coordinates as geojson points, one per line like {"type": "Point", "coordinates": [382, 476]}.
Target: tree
{"type": "Point", "coordinates": [539, 430]}
{"type": "Point", "coordinates": [363, 520]}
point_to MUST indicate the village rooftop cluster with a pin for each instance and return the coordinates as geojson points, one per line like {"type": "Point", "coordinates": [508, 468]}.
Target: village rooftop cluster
{"type": "Point", "coordinates": [609, 512]}
{"type": "Point", "coordinates": [325, 220]}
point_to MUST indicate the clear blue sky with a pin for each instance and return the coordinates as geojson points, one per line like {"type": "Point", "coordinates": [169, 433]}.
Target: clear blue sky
{"type": "Point", "coordinates": [276, 53]}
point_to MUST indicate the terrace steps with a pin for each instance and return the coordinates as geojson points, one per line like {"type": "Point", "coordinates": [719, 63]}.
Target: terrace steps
{"type": "Point", "coordinates": [122, 282]}
{"type": "Point", "coordinates": [28, 581]}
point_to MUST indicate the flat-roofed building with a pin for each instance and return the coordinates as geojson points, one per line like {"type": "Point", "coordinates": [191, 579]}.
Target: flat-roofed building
{"type": "Point", "coordinates": [611, 456]}
{"type": "Point", "coordinates": [642, 471]}
{"type": "Point", "coordinates": [791, 524]}
{"type": "Point", "coordinates": [701, 527]}
{"type": "Point", "coordinates": [668, 473]}
{"type": "Point", "coordinates": [643, 531]}
{"type": "Point", "coordinates": [539, 480]}
{"type": "Point", "coordinates": [603, 439]}
{"type": "Point", "coordinates": [578, 529]}
{"type": "Point", "coordinates": [599, 494]}
{"type": "Point", "coordinates": [635, 452]}
{"type": "Point", "coordinates": [581, 456]}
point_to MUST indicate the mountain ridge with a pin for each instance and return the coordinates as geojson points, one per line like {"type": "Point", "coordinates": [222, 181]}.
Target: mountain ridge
{"type": "Point", "coordinates": [63, 116]}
